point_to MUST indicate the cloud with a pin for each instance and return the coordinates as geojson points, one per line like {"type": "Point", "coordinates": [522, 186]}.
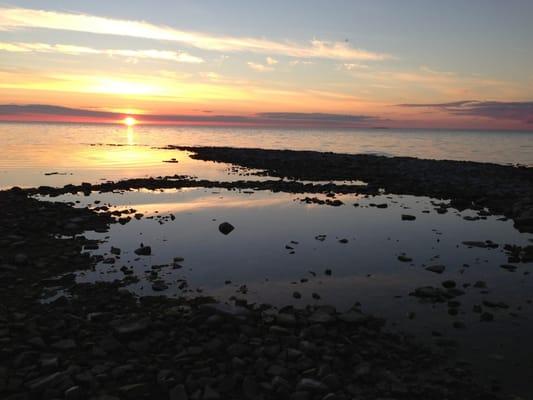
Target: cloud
{"type": "Point", "coordinates": [259, 67]}
{"type": "Point", "coordinates": [16, 18]}
{"type": "Point", "coordinates": [352, 66]}
{"type": "Point", "coordinates": [286, 119]}
{"type": "Point", "coordinates": [319, 117]}
{"type": "Point", "coordinates": [271, 61]}
{"type": "Point", "coordinates": [518, 111]}
{"type": "Point", "coordinates": [165, 55]}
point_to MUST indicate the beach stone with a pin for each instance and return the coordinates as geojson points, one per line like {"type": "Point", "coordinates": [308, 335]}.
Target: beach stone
{"type": "Point", "coordinates": [132, 328]}
{"type": "Point", "coordinates": [407, 217]}
{"type": "Point", "coordinates": [210, 394]}
{"type": "Point", "coordinates": [73, 393]}
{"type": "Point", "coordinates": [311, 385]}
{"type": "Point", "coordinates": [159, 286]}
{"type": "Point", "coordinates": [178, 393]}
{"type": "Point", "coordinates": [143, 251]}
{"type": "Point", "coordinates": [438, 269]}
{"type": "Point", "coordinates": [64, 345]}
{"type": "Point", "coordinates": [225, 228]}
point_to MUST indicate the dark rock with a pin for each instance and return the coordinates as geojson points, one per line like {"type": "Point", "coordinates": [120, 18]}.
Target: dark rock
{"type": "Point", "coordinates": [225, 228]}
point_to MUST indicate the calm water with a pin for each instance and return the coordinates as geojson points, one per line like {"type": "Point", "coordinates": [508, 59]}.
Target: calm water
{"type": "Point", "coordinates": [254, 263]}
{"type": "Point", "coordinates": [274, 250]}
{"type": "Point", "coordinates": [31, 150]}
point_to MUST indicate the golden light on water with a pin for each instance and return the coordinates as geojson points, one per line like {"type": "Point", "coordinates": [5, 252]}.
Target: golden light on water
{"type": "Point", "coordinates": [129, 121]}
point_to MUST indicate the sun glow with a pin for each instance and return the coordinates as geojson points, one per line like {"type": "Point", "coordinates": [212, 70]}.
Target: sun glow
{"type": "Point", "coordinates": [129, 121]}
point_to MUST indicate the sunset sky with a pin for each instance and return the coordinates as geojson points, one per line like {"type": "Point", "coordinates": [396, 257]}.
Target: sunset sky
{"type": "Point", "coordinates": [413, 63]}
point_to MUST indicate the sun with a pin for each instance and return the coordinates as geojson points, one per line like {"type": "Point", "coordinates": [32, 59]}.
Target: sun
{"type": "Point", "coordinates": [129, 121]}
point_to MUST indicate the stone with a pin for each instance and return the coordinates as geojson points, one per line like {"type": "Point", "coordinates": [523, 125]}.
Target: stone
{"type": "Point", "coordinates": [132, 328]}
{"type": "Point", "coordinates": [407, 217]}
{"type": "Point", "coordinates": [438, 269]}
{"type": "Point", "coordinates": [178, 393]}
{"type": "Point", "coordinates": [73, 393]}
{"type": "Point", "coordinates": [159, 286]}
{"type": "Point", "coordinates": [64, 345]}
{"type": "Point", "coordinates": [225, 228]}
{"type": "Point", "coordinates": [310, 385]}
{"type": "Point", "coordinates": [143, 251]}
{"type": "Point", "coordinates": [210, 394]}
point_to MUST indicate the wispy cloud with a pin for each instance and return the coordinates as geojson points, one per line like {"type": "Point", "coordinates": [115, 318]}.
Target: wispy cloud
{"type": "Point", "coordinates": [518, 111]}
{"type": "Point", "coordinates": [271, 61]}
{"type": "Point", "coordinates": [165, 55]}
{"type": "Point", "coordinates": [259, 67]}
{"type": "Point", "coordinates": [269, 118]}
{"type": "Point", "coordinates": [16, 18]}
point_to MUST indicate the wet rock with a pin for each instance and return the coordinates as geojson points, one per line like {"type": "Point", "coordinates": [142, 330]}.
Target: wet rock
{"type": "Point", "coordinates": [404, 258]}
{"type": "Point", "coordinates": [225, 228]}
{"type": "Point", "coordinates": [210, 394]}
{"type": "Point", "coordinates": [438, 269]}
{"type": "Point", "coordinates": [178, 393]}
{"type": "Point", "coordinates": [159, 286]}
{"type": "Point", "coordinates": [132, 328]}
{"type": "Point", "coordinates": [143, 251]}
{"type": "Point", "coordinates": [310, 385]}
{"type": "Point", "coordinates": [449, 284]}
{"type": "Point", "coordinates": [64, 345]}
{"type": "Point", "coordinates": [407, 217]}
{"type": "Point", "coordinates": [508, 267]}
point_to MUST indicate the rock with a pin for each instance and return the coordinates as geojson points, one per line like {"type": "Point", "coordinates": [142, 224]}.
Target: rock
{"type": "Point", "coordinates": [134, 390]}
{"type": "Point", "coordinates": [438, 269]}
{"type": "Point", "coordinates": [250, 388]}
{"type": "Point", "coordinates": [21, 259]}
{"type": "Point", "coordinates": [144, 251]}
{"type": "Point", "coordinates": [486, 317]}
{"type": "Point", "coordinates": [472, 243]}
{"type": "Point", "coordinates": [41, 383]}
{"type": "Point", "coordinates": [310, 385]}
{"type": "Point", "coordinates": [225, 228]}
{"type": "Point", "coordinates": [237, 350]}
{"type": "Point", "coordinates": [449, 284]}
{"type": "Point", "coordinates": [132, 328]}
{"type": "Point", "coordinates": [178, 393]}
{"type": "Point", "coordinates": [64, 345]}
{"type": "Point", "coordinates": [407, 217]}
{"type": "Point", "coordinates": [159, 286]}
{"type": "Point", "coordinates": [210, 394]}
{"type": "Point", "coordinates": [508, 267]}
{"type": "Point", "coordinates": [73, 393]}
{"type": "Point", "coordinates": [404, 258]}
{"type": "Point", "coordinates": [480, 285]}
{"type": "Point", "coordinates": [296, 295]}
{"type": "Point", "coordinates": [321, 317]}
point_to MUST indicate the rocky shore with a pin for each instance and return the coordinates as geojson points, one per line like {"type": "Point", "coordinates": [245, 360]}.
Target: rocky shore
{"type": "Point", "coordinates": [98, 341]}
{"type": "Point", "coordinates": [506, 190]}
{"type": "Point", "coordinates": [101, 342]}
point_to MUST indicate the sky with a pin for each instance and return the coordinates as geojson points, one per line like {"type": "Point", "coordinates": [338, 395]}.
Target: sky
{"type": "Point", "coordinates": [339, 63]}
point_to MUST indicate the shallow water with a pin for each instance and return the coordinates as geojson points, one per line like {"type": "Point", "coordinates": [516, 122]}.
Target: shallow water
{"type": "Point", "coordinates": [31, 150]}
{"type": "Point", "coordinates": [365, 269]}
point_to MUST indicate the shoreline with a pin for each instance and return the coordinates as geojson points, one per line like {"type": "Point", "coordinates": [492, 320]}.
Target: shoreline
{"type": "Point", "coordinates": [105, 342]}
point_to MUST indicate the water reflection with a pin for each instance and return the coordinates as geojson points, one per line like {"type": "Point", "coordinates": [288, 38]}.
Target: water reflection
{"type": "Point", "coordinates": [275, 250]}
